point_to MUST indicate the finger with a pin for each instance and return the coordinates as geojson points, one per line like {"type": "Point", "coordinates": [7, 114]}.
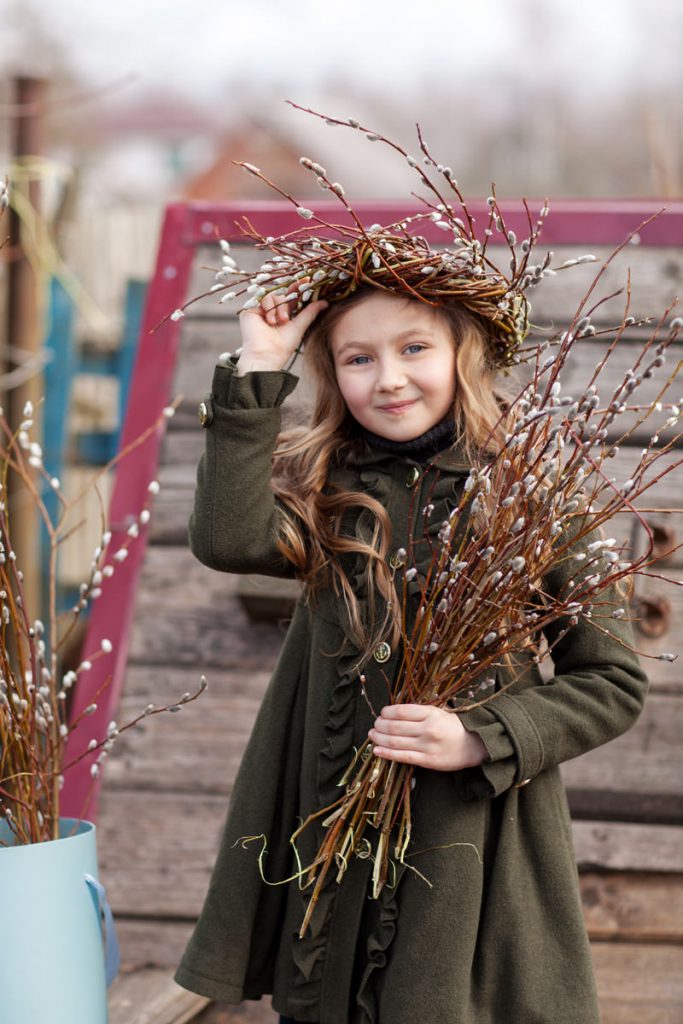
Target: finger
{"type": "Point", "coordinates": [282, 309]}
{"type": "Point", "coordinates": [416, 757]}
{"type": "Point", "coordinates": [308, 314]}
{"type": "Point", "coordinates": [388, 742]}
{"type": "Point", "coordinates": [406, 712]}
{"type": "Point", "coordinates": [268, 309]}
{"type": "Point", "coordinates": [398, 727]}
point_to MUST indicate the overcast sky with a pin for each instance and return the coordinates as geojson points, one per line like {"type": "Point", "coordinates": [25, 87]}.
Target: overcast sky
{"type": "Point", "coordinates": [390, 44]}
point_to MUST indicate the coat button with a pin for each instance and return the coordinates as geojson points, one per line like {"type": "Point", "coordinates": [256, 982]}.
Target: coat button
{"type": "Point", "coordinates": [382, 652]}
{"type": "Point", "coordinates": [205, 413]}
{"type": "Point", "coordinates": [413, 476]}
{"type": "Point", "coordinates": [523, 783]}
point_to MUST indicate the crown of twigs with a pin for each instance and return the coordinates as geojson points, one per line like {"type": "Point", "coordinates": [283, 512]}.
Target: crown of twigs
{"type": "Point", "coordinates": [330, 261]}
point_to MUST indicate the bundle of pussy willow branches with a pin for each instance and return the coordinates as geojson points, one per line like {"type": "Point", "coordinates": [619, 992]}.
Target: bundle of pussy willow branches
{"type": "Point", "coordinates": [37, 729]}
{"type": "Point", "coordinates": [481, 599]}
{"type": "Point", "coordinates": [35, 688]}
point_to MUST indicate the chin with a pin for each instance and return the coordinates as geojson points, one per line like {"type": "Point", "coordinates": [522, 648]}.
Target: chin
{"type": "Point", "coordinates": [399, 432]}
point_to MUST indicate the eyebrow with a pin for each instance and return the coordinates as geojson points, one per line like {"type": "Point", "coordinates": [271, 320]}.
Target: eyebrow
{"type": "Point", "coordinates": [403, 334]}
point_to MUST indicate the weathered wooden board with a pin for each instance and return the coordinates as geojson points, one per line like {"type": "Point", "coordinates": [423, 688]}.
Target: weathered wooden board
{"type": "Point", "coordinates": [663, 675]}
{"type": "Point", "coordinates": [639, 983]}
{"type": "Point", "coordinates": [628, 847]}
{"type": "Point", "coordinates": [146, 683]}
{"type": "Point", "coordinates": [614, 804]}
{"type": "Point", "coordinates": [150, 996]}
{"type": "Point", "coordinates": [656, 278]}
{"type": "Point", "coordinates": [182, 450]}
{"type": "Point", "coordinates": [189, 615]}
{"type": "Point", "coordinates": [207, 261]}
{"type": "Point", "coordinates": [204, 341]}
{"type": "Point", "coordinates": [157, 849]}
{"type": "Point", "coordinates": [666, 528]}
{"type": "Point", "coordinates": [666, 493]}
{"type": "Point", "coordinates": [200, 748]}
{"type": "Point", "coordinates": [173, 506]}
{"type": "Point", "coordinates": [150, 942]}
{"type": "Point", "coordinates": [648, 759]}
{"type": "Point", "coordinates": [630, 907]}
{"type": "Point", "coordinates": [633, 907]}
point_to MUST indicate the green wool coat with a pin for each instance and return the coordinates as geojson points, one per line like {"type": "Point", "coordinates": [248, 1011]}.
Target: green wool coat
{"type": "Point", "coordinates": [496, 935]}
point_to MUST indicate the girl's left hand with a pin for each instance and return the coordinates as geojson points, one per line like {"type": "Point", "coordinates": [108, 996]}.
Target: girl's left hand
{"type": "Point", "coordinates": [426, 736]}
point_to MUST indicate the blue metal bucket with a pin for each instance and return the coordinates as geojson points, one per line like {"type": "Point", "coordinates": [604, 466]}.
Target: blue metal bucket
{"type": "Point", "coordinates": [53, 920]}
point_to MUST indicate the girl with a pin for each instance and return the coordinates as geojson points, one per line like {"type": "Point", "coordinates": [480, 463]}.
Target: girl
{"type": "Point", "coordinates": [406, 401]}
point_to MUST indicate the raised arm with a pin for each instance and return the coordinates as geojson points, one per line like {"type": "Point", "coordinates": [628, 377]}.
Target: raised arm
{"type": "Point", "coordinates": [236, 518]}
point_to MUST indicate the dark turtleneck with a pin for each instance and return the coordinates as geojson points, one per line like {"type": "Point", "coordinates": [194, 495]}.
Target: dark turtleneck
{"type": "Point", "coordinates": [426, 446]}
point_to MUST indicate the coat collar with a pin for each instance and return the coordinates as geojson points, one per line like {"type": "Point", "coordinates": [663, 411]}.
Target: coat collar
{"type": "Point", "coordinates": [453, 459]}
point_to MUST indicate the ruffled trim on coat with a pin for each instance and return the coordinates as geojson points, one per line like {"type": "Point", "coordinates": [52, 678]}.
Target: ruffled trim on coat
{"type": "Point", "coordinates": [309, 953]}
{"type": "Point", "coordinates": [378, 945]}
{"type": "Point", "coordinates": [337, 752]}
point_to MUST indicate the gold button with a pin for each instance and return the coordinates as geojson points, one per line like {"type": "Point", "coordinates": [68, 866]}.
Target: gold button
{"type": "Point", "coordinates": [204, 413]}
{"type": "Point", "coordinates": [524, 782]}
{"type": "Point", "coordinates": [382, 652]}
{"type": "Point", "coordinates": [413, 477]}
{"type": "Point", "coordinates": [397, 560]}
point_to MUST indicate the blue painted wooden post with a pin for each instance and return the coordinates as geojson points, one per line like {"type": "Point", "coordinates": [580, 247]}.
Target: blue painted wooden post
{"type": "Point", "coordinates": [136, 293]}
{"type": "Point", "coordinates": [58, 376]}
{"type": "Point", "coordinates": [64, 362]}
{"type": "Point", "coordinates": [99, 447]}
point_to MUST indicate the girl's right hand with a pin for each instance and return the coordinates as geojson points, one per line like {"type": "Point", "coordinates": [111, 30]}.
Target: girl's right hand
{"type": "Point", "coordinates": [270, 335]}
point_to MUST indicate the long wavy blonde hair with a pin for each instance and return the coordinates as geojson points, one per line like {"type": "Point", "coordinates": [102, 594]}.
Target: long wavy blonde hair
{"type": "Point", "coordinates": [312, 537]}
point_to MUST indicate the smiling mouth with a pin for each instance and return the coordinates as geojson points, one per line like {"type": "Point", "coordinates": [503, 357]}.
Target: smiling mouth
{"type": "Point", "coordinates": [397, 407]}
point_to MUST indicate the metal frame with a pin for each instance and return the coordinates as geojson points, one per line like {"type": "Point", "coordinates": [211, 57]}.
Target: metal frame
{"type": "Point", "coordinates": [187, 226]}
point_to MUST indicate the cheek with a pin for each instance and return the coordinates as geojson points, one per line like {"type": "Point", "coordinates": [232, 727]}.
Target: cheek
{"type": "Point", "coordinates": [439, 381]}
{"type": "Point", "coordinates": [353, 389]}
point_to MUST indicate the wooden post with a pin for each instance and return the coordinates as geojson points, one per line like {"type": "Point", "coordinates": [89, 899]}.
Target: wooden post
{"type": "Point", "coordinates": [24, 320]}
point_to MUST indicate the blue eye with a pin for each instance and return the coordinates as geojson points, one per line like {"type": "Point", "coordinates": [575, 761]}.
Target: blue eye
{"type": "Point", "coordinates": [355, 361]}
{"type": "Point", "coordinates": [416, 345]}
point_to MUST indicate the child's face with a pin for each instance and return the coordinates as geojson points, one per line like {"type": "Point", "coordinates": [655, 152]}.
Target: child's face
{"type": "Point", "coordinates": [395, 365]}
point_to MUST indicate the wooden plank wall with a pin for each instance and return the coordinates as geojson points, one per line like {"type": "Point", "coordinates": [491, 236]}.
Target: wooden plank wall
{"type": "Point", "coordinates": [168, 783]}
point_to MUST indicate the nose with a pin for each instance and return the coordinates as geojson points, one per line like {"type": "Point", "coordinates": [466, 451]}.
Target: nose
{"type": "Point", "coordinates": [390, 375]}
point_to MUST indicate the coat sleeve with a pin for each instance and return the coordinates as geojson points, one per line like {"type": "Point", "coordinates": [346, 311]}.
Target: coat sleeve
{"type": "Point", "coordinates": [596, 693]}
{"type": "Point", "coordinates": [235, 520]}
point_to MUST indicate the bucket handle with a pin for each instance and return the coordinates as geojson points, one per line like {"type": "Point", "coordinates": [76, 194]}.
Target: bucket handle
{"type": "Point", "coordinates": [112, 956]}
